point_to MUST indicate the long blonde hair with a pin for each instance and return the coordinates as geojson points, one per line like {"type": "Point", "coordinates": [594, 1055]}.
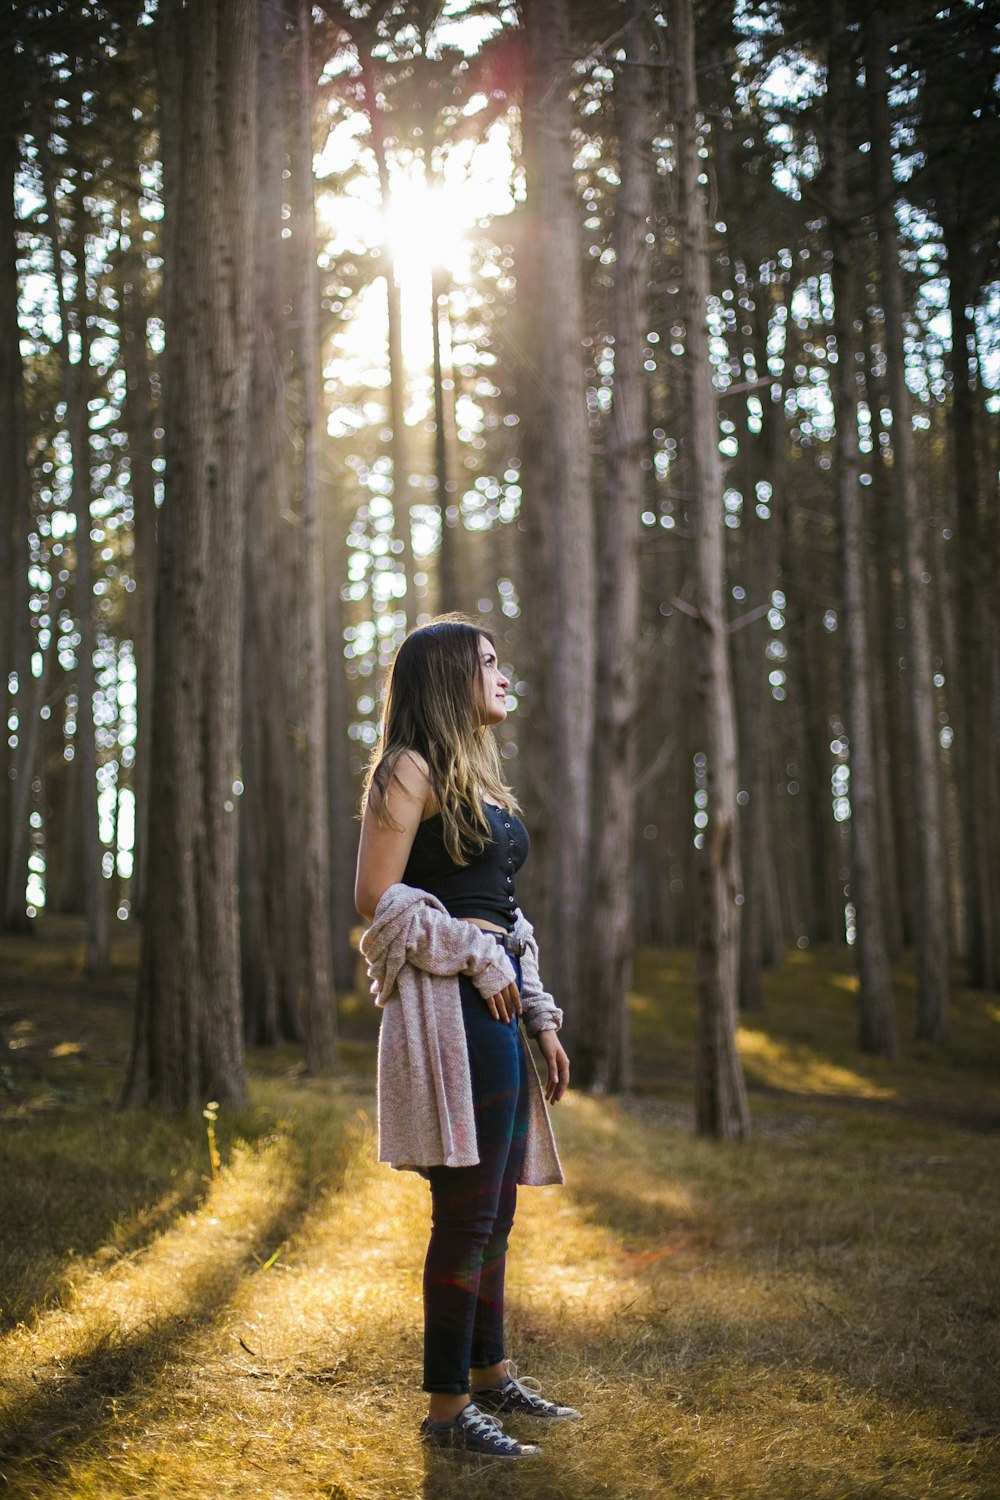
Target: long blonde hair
{"type": "Point", "coordinates": [430, 704]}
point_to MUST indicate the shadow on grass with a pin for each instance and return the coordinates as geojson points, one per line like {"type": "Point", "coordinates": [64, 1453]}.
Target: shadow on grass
{"type": "Point", "coordinates": [55, 1409]}
{"type": "Point", "coordinates": [78, 1183]}
{"type": "Point", "coordinates": [852, 1253]}
{"type": "Point", "coordinates": [802, 1044]}
{"type": "Point", "coordinates": [455, 1477]}
{"type": "Point", "coordinates": [78, 1178]}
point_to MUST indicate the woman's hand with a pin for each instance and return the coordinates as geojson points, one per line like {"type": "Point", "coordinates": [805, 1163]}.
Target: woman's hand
{"type": "Point", "coordinates": [506, 1003]}
{"type": "Point", "coordinates": [557, 1063]}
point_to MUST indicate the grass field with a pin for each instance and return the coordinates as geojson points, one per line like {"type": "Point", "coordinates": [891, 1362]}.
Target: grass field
{"type": "Point", "coordinates": [812, 1315]}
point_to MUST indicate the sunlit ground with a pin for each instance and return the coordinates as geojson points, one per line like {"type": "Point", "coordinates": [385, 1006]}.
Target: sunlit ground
{"type": "Point", "coordinates": [813, 1314]}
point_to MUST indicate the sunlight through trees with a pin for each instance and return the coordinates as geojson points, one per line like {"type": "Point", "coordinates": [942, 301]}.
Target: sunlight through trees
{"type": "Point", "coordinates": [663, 338]}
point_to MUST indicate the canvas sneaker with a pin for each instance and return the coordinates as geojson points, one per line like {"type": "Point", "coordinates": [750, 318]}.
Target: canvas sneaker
{"type": "Point", "coordinates": [473, 1431]}
{"type": "Point", "coordinates": [520, 1396]}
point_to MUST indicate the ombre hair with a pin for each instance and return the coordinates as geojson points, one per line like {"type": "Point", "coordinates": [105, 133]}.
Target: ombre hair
{"type": "Point", "coordinates": [431, 702]}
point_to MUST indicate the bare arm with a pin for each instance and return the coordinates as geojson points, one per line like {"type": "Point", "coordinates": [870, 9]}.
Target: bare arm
{"type": "Point", "coordinates": [384, 851]}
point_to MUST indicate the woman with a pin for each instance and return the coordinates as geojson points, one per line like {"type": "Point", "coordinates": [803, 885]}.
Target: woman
{"type": "Point", "coordinates": [455, 966]}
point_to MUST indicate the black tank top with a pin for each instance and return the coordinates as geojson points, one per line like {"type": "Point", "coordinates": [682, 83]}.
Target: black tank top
{"type": "Point", "coordinates": [485, 886]}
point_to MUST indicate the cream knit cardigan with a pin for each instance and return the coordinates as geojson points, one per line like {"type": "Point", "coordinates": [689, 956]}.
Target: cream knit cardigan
{"type": "Point", "coordinates": [415, 952]}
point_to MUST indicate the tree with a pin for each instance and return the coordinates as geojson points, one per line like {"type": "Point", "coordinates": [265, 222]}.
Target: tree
{"type": "Point", "coordinates": [602, 1047]}
{"type": "Point", "coordinates": [956, 128]}
{"type": "Point", "coordinates": [877, 1031]}
{"type": "Point", "coordinates": [76, 317]}
{"type": "Point", "coordinates": [319, 1013]}
{"type": "Point", "coordinates": [188, 1043]}
{"type": "Point", "coordinates": [931, 914]}
{"type": "Point", "coordinates": [15, 519]}
{"type": "Point", "coordinates": [720, 1091]}
{"type": "Point", "coordinates": [270, 889]}
{"type": "Point", "coordinates": [560, 483]}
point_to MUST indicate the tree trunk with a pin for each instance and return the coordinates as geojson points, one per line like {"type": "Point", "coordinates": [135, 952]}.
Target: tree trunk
{"type": "Point", "coordinates": [750, 693]}
{"type": "Point", "coordinates": [891, 764]}
{"type": "Point", "coordinates": [720, 1091]}
{"type": "Point", "coordinates": [188, 1043]}
{"type": "Point", "coordinates": [270, 863]}
{"type": "Point", "coordinates": [142, 484]}
{"type": "Point", "coordinates": [976, 732]}
{"type": "Point", "coordinates": [762, 933]}
{"type": "Point", "coordinates": [564, 482]}
{"type": "Point", "coordinates": [318, 1002]}
{"type": "Point", "coordinates": [877, 1030]}
{"type": "Point", "coordinates": [449, 581]}
{"type": "Point", "coordinates": [15, 523]}
{"type": "Point", "coordinates": [532, 770]}
{"type": "Point", "coordinates": [394, 309]}
{"type": "Point", "coordinates": [931, 862]}
{"type": "Point", "coordinates": [344, 827]}
{"type": "Point", "coordinates": [601, 1057]}
{"type": "Point", "coordinates": [30, 699]}
{"type": "Point", "coordinates": [76, 384]}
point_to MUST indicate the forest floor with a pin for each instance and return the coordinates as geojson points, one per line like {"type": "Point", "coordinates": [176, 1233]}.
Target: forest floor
{"type": "Point", "coordinates": [812, 1314]}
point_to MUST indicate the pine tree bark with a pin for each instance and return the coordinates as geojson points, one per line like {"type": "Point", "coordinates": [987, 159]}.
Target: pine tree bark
{"type": "Point", "coordinates": [96, 895]}
{"type": "Point", "coordinates": [532, 769]}
{"type": "Point", "coordinates": [66, 894]}
{"type": "Point", "coordinates": [75, 384]}
{"type": "Point", "coordinates": [270, 859]}
{"type": "Point", "coordinates": [30, 700]}
{"type": "Point", "coordinates": [891, 764]}
{"type": "Point", "coordinates": [449, 580]}
{"type": "Point", "coordinates": [601, 1058]}
{"type": "Point", "coordinates": [931, 858]}
{"type": "Point", "coordinates": [15, 524]}
{"type": "Point", "coordinates": [877, 1029]}
{"type": "Point", "coordinates": [318, 1000]}
{"type": "Point", "coordinates": [141, 449]}
{"type": "Point", "coordinates": [188, 1044]}
{"type": "Point", "coordinates": [761, 932]}
{"type": "Point", "coordinates": [344, 827]}
{"type": "Point", "coordinates": [754, 770]}
{"type": "Point", "coordinates": [563, 486]}
{"type": "Point", "coordinates": [398, 442]}
{"type": "Point", "coordinates": [977, 751]}
{"type": "Point", "coordinates": [720, 1091]}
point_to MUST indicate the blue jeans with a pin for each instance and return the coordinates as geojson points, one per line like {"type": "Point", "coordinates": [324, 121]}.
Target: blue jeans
{"type": "Point", "coordinates": [473, 1208]}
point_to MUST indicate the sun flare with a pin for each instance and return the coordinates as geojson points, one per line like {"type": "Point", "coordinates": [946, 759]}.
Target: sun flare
{"type": "Point", "coordinates": [425, 230]}
{"type": "Point", "coordinates": [426, 226]}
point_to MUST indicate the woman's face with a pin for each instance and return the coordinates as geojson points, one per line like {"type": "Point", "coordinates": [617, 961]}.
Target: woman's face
{"type": "Point", "coordinates": [491, 683]}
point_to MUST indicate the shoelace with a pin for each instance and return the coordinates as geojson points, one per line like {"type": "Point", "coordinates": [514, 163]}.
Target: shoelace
{"type": "Point", "coordinates": [526, 1384]}
{"type": "Point", "coordinates": [484, 1426]}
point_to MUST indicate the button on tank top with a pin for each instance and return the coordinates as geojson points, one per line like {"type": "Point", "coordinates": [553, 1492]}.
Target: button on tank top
{"type": "Point", "coordinates": [485, 886]}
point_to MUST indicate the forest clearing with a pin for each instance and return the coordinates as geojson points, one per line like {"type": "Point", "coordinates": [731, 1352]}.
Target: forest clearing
{"type": "Point", "coordinates": [812, 1314]}
{"type": "Point", "coordinates": [648, 354]}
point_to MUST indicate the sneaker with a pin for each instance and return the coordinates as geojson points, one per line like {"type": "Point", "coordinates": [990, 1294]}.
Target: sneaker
{"type": "Point", "coordinates": [520, 1397]}
{"type": "Point", "coordinates": [473, 1431]}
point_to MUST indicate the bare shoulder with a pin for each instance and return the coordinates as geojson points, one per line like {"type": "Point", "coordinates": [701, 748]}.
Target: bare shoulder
{"type": "Point", "coordinates": [413, 762]}
{"type": "Point", "coordinates": [388, 830]}
{"type": "Point", "coordinates": [413, 776]}
{"type": "Point", "coordinates": [410, 792]}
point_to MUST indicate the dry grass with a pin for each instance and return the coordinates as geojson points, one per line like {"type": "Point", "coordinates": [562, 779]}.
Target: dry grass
{"type": "Point", "coordinates": [811, 1315]}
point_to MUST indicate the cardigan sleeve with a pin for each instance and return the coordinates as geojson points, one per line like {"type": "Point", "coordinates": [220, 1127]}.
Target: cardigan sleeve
{"type": "Point", "coordinates": [441, 944]}
{"type": "Point", "coordinates": [539, 1010]}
